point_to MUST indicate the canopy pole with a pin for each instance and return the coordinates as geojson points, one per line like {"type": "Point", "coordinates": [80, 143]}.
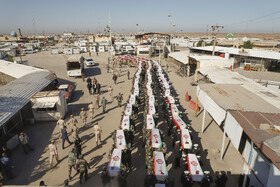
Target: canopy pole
{"type": "Point", "coordinates": [203, 120]}
{"type": "Point", "coordinates": [223, 144]}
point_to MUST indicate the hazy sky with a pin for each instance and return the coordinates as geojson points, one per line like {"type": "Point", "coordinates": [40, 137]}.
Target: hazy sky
{"type": "Point", "coordinates": [152, 15]}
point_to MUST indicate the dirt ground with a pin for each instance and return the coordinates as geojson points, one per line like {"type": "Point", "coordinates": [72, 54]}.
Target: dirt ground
{"type": "Point", "coordinates": [30, 169]}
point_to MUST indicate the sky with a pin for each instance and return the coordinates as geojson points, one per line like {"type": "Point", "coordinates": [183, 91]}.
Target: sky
{"type": "Point", "coordinates": [92, 16]}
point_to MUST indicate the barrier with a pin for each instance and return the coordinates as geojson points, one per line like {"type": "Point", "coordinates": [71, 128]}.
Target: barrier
{"type": "Point", "coordinates": [194, 106]}
{"type": "Point", "coordinates": [187, 96]}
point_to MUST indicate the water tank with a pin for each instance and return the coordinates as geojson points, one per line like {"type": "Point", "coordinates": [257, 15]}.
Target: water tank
{"type": "Point", "coordinates": [13, 34]}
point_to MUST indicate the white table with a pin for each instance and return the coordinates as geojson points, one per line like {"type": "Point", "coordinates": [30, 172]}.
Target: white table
{"type": "Point", "coordinates": [150, 123]}
{"type": "Point", "coordinates": [149, 91]}
{"type": "Point", "coordinates": [194, 168]}
{"type": "Point", "coordinates": [155, 139]}
{"type": "Point", "coordinates": [151, 99]}
{"type": "Point", "coordinates": [120, 140]}
{"type": "Point", "coordinates": [174, 109]}
{"type": "Point", "coordinates": [115, 163]}
{"type": "Point", "coordinates": [170, 100]}
{"type": "Point", "coordinates": [186, 141]}
{"type": "Point", "coordinates": [151, 109]}
{"type": "Point", "coordinates": [128, 110]}
{"type": "Point", "coordinates": [132, 99]}
{"type": "Point", "coordinates": [160, 170]}
{"type": "Point", "coordinates": [179, 122]}
{"type": "Point", "coordinates": [125, 123]}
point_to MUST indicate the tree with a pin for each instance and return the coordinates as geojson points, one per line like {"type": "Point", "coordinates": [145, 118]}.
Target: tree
{"type": "Point", "coordinates": [210, 43]}
{"type": "Point", "coordinates": [248, 45]}
{"type": "Point", "coordinates": [199, 43]}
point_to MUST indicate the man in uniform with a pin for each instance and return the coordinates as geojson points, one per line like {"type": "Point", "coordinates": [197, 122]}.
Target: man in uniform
{"type": "Point", "coordinates": [83, 116]}
{"type": "Point", "coordinates": [104, 103]}
{"type": "Point", "coordinates": [71, 162]}
{"type": "Point", "coordinates": [75, 131]}
{"type": "Point", "coordinates": [60, 122]}
{"type": "Point", "coordinates": [97, 131]}
{"type": "Point", "coordinates": [78, 146]}
{"type": "Point", "coordinates": [119, 99]}
{"type": "Point", "coordinates": [108, 68]}
{"type": "Point", "coordinates": [110, 90]}
{"type": "Point", "coordinates": [91, 110]}
{"type": "Point", "coordinates": [53, 152]}
{"type": "Point", "coordinates": [96, 100]}
{"type": "Point", "coordinates": [72, 120]}
{"type": "Point", "coordinates": [83, 166]}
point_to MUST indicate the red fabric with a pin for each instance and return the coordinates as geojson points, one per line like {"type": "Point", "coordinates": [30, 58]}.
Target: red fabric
{"type": "Point", "coordinates": [187, 96]}
{"type": "Point", "coordinates": [193, 106]}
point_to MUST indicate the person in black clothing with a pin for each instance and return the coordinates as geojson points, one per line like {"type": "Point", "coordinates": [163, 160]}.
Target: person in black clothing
{"type": "Point", "coordinates": [98, 87]}
{"type": "Point", "coordinates": [8, 152]}
{"type": "Point", "coordinates": [78, 146]}
{"type": "Point", "coordinates": [221, 180]}
{"type": "Point", "coordinates": [106, 179]}
{"type": "Point", "coordinates": [64, 136]}
{"type": "Point", "coordinates": [88, 80]}
{"type": "Point", "coordinates": [126, 158]}
{"type": "Point", "coordinates": [89, 86]}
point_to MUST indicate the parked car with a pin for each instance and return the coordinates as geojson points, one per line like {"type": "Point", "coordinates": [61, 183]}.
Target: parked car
{"type": "Point", "coordinates": [68, 88]}
{"type": "Point", "coordinates": [89, 62]}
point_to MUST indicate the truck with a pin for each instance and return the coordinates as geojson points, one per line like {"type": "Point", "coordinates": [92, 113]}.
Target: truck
{"type": "Point", "coordinates": [75, 66]}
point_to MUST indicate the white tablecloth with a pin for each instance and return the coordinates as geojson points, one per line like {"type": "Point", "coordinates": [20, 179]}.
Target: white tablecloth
{"type": "Point", "coordinates": [132, 99]}
{"type": "Point", "coordinates": [115, 163]}
{"type": "Point", "coordinates": [160, 170]}
{"type": "Point", "coordinates": [194, 168]}
{"type": "Point", "coordinates": [166, 85]}
{"type": "Point", "coordinates": [150, 124]}
{"type": "Point", "coordinates": [120, 140]}
{"type": "Point", "coordinates": [151, 109]}
{"type": "Point", "coordinates": [155, 139]}
{"type": "Point", "coordinates": [128, 109]}
{"type": "Point", "coordinates": [167, 93]}
{"type": "Point", "coordinates": [151, 99]}
{"type": "Point", "coordinates": [174, 109]}
{"type": "Point", "coordinates": [149, 91]}
{"type": "Point", "coordinates": [170, 100]}
{"type": "Point", "coordinates": [125, 123]}
{"type": "Point", "coordinates": [179, 122]}
{"type": "Point", "coordinates": [186, 141]}
{"type": "Point", "coordinates": [136, 92]}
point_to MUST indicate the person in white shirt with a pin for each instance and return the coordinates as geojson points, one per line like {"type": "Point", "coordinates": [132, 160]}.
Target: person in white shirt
{"type": "Point", "coordinates": [53, 152]}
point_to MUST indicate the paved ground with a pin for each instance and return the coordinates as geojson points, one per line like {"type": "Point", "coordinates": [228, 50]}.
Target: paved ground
{"type": "Point", "coordinates": [32, 168]}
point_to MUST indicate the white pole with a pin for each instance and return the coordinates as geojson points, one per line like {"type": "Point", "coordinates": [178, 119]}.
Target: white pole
{"type": "Point", "coordinates": [203, 120]}
{"type": "Point", "coordinates": [223, 144]}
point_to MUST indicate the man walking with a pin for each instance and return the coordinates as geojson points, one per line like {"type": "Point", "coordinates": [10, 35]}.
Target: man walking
{"type": "Point", "coordinates": [104, 103]}
{"type": "Point", "coordinates": [83, 166]}
{"type": "Point", "coordinates": [24, 142]}
{"type": "Point", "coordinates": [119, 99]}
{"type": "Point", "coordinates": [98, 87]}
{"type": "Point", "coordinates": [96, 100]}
{"type": "Point", "coordinates": [88, 80]}
{"type": "Point", "coordinates": [97, 131]}
{"type": "Point", "coordinates": [53, 152]}
{"type": "Point", "coordinates": [75, 131]}
{"type": "Point", "coordinates": [64, 136]}
{"type": "Point", "coordinates": [72, 120]}
{"type": "Point", "coordinates": [60, 122]}
{"type": "Point", "coordinates": [91, 110]}
{"type": "Point", "coordinates": [115, 78]}
{"type": "Point", "coordinates": [89, 86]}
{"type": "Point", "coordinates": [71, 162]}
{"type": "Point", "coordinates": [78, 146]}
{"type": "Point", "coordinates": [110, 90]}
{"type": "Point", "coordinates": [83, 116]}
{"type": "Point", "coordinates": [128, 73]}
{"type": "Point", "coordinates": [108, 68]}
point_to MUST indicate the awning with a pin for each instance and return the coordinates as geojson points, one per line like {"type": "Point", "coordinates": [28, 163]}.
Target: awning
{"type": "Point", "coordinates": [44, 105]}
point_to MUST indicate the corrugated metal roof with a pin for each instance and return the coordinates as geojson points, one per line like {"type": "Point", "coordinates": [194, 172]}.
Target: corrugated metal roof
{"type": "Point", "coordinates": [181, 56]}
{"type": "Point", "coordinates": [251, 52]}
{"type": "Point", "coordinates": [266, 140]}
{"type": "Point", "coordinates": [225, 76]}
{"type": "Point", "coordinates": [235, 97]}
{"type": "Point", "coordinates": [16, 94]}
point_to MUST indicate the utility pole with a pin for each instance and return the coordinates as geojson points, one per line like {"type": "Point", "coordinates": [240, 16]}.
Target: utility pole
{"type": "Point", "coordinates": [215, 29]}
{"type": "Point", "coordinates": [110, 40]}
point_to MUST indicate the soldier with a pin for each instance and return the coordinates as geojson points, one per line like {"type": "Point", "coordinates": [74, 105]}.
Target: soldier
{"type": "Point", "coordinates": [119, 99]}
{"type": "Point", "coordinates": [104, 103]}
{"type": "Point", "coordinates": [110, 90]}
{"type": "Point", "coordinates": [60, 122]}
{"type": "Point", "coordinates": [97, 131]}
{"type": "Point", "coordinates": [53, 152]}
{"type": "Point", "coordinates": [108, 68]}
{"type": "Point", "coordinates": [83, 116]}
{"type": "Point", "coordinates": [83, 166]}
{"type": "Point", "coordinates": [72, 120]}
{"type": "Point", "coordinates": [71, 162]}
{"type": "Point", "coordinates": [128, 73]}
{"type": "Point", "coordinates": [96, 100]}
{"type": "Point", "coordinates": [91, 110]}
{"type": "Point", "coordinates": [74, 130]}
{"type": "Point", "coordinates": [78, 146]}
